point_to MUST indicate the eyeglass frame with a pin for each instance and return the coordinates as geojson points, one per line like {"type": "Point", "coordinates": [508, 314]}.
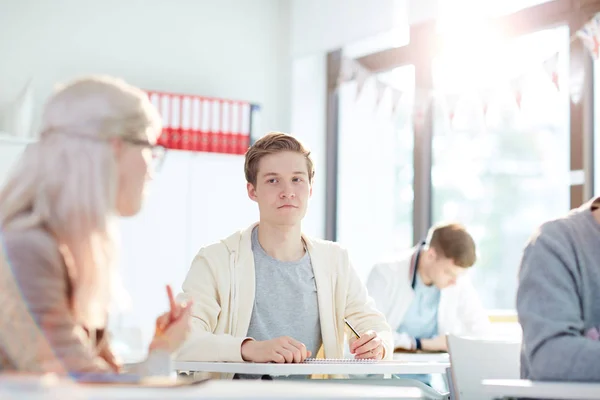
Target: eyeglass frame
{"type": "Point", "coordinates": [136, 142]}
{"type": "Point", "coordinates": [162, 151]}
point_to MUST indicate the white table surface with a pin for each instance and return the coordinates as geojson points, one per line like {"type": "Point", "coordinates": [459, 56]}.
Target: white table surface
{"type": "Point", "coordinates": [402, 364]}
{"type": "Point", "coordinates": [423, 357]}
{"type": "Point", "coordinates": [501, 388]}
{"type": "Point", "coordinates": [216, 389]}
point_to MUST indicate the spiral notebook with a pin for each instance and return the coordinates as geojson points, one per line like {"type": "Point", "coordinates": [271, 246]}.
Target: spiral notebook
{"type": "Point", "coordinates": [338, 361]}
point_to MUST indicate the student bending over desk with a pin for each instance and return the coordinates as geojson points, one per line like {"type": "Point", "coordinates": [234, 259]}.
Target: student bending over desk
{"type": "Point", "coordinates": [424, 294]}
{"type": "Point", "coordinates": [558, 300]}
{"type": "Point", "coordinates": [270, 293]}
{"type": "Point", "coordinates": [57, 210]}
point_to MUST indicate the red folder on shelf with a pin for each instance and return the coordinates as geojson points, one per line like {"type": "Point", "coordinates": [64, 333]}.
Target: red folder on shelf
{"type": "Point", "coordinates": [186, 123]}
{"type": "Point", "coordinates": [244, 135]}
{"type": "Point", "coordinates": [165, 112]}
{"type": "Point", "coordinates": [196, 123]}
{"type": "Point", "coordinates": [215, 128]}
{"type": "Point", "coordinates": [205, 125]}
{"type": "Point", "coordinates": [236, 119]}
{"type": "Point", "coordinates": [155, 100]}
{"type": "Point", "coordinates": [225, 127]}
{"type": "Point", "coordinates": [176, 141]}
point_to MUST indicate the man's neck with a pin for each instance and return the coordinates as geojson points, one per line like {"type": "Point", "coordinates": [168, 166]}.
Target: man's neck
{"type": "Point", "coordinates": [281, 242]}
{"type": "Point", "coordinates": [423, 269]}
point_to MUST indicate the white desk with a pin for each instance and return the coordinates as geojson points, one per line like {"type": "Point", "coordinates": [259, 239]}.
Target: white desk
{"type": "Point", "coordinates": [515, 388]}
{"type": "Point", "coordinates": [423, 357]}
{"type": "Point", "coordinates": [405, 364]}
{"type": "Point", "coordinates": [218, 390]}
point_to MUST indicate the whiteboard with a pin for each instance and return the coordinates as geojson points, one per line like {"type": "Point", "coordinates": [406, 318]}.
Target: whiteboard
{"type": "Point", "coordinates": [11, 148]}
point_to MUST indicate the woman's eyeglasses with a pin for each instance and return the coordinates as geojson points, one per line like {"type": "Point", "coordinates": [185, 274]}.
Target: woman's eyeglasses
{"type": "Point", "coordinates": [158, 151]}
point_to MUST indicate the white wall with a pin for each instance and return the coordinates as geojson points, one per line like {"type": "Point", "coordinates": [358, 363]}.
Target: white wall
{"type": "Point", "coordinates": [227, 48]}
{"type": "Point", "coordinates": [321, 26]}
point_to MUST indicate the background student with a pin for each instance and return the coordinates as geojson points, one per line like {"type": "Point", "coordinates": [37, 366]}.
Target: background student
{"type": "Point", "coordinates": [425, 293]}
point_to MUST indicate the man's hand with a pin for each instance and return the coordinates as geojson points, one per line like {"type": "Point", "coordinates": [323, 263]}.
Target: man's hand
{"type": "Point", "coordinates": [369, 346]}
{"type": "Point", "coordinates": [280, 350]}
{"type": "Point", "coordinates": [436, 344]}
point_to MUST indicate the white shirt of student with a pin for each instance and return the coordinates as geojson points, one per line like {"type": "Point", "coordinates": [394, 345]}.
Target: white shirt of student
{"type": "Point", "coordinates": [460, 310]}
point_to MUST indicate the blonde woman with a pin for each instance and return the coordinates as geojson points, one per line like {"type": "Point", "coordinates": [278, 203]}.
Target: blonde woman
{"type": "Point", "coordinates": [91, 164]}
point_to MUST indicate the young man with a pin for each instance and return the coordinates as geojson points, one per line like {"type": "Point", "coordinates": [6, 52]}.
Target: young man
{"type": "Point", "coordinates": [270, 293]}
{"type": "Point", "coordinates": [558, 299]}
{"type": "Point", "coordinates": [424, 295]}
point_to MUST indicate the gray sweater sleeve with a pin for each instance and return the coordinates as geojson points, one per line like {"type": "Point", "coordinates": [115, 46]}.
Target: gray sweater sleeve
{"type": "Point", "coordinates": [550, 310]}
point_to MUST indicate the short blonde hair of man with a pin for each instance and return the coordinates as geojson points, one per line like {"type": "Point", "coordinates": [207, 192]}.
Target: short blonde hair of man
{"type": "Point", "coordinates": [272, 143]}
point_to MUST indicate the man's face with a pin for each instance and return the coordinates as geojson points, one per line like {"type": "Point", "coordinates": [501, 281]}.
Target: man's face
{"type": "Point", "coordinates": [282, 188]}
{"type": "Point", "coordinates": [444, 272]}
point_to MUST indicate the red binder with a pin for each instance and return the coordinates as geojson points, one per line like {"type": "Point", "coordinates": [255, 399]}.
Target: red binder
{"type": "Point", "coordinates": [236, 119]}
{"type": "Point", "coordinates": [244, 136]}
{"type": "Point", "coordinates": [186, 122]}
{"type": "Point", "coordinates": [176, 122]}
{"type": "Point", "coordinates": [215, 129]}
{"type": "Point", "coordinates": [205, 125]}
{"type": "Point", "coordinates": [155, 100]}
{"type": "Point", "coordinates": [225, 127]}
{"type": "Point", "coordinates": [165, 112]}
{"type": "Point", "coordinates": [195, 128]}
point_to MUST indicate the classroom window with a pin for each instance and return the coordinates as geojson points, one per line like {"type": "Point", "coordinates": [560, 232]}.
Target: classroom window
{"type": "Point", "coordinates": [375, 179]}
{"type": "Point", "coordinates": [504, 171]}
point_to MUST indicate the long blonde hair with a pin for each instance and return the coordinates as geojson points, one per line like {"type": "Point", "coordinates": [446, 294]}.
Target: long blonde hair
{"type": "Point", "coordinates": [67, 182]}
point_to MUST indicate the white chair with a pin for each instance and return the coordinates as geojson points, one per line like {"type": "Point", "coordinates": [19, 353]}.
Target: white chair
{"type": "Point", "coordinates": [475, 359]}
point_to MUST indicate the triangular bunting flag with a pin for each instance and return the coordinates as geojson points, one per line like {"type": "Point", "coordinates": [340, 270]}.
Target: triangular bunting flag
{"type": "Point", "coordinates": [422, 97]}
{"type": "Point", "coordinates": [361, 78]}
{"type": "Point", "coordinates": [551, 68]}
{"type": "Point", "coordinates": [380, 87]}
{"type": "Point", "coordinates": [589, 34]}
{"type": "Point", "coordinates": [396, 96]}
{"type": "Point", "coordinates": [517, 86]}
{"type": "Point", "coordinates": [486, 97]}
{"type": "Point", "coordinates": [452, 102]}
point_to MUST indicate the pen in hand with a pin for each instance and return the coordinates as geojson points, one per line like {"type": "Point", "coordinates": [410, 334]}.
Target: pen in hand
{"type": "Point", "coordinates": [352, 328]}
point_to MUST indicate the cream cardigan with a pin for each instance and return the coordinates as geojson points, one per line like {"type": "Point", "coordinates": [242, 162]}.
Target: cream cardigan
{"type": "Point", "coordinates": [221, 283]}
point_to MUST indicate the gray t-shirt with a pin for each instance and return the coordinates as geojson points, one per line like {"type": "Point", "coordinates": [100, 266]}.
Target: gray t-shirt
{"type": "Point", "coordinates": [285, 303]}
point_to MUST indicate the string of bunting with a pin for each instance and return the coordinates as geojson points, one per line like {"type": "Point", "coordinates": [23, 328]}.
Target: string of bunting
{"type": "Point", "coordinates": [352, 70]}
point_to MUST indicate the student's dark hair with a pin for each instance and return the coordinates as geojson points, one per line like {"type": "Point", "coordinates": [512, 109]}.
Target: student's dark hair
{"type": "Point", "coordinates": [452, 241]}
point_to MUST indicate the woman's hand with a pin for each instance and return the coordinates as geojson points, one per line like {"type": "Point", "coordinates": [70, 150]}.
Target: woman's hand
{"type": "Point", "coordinates": [172, 327]}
